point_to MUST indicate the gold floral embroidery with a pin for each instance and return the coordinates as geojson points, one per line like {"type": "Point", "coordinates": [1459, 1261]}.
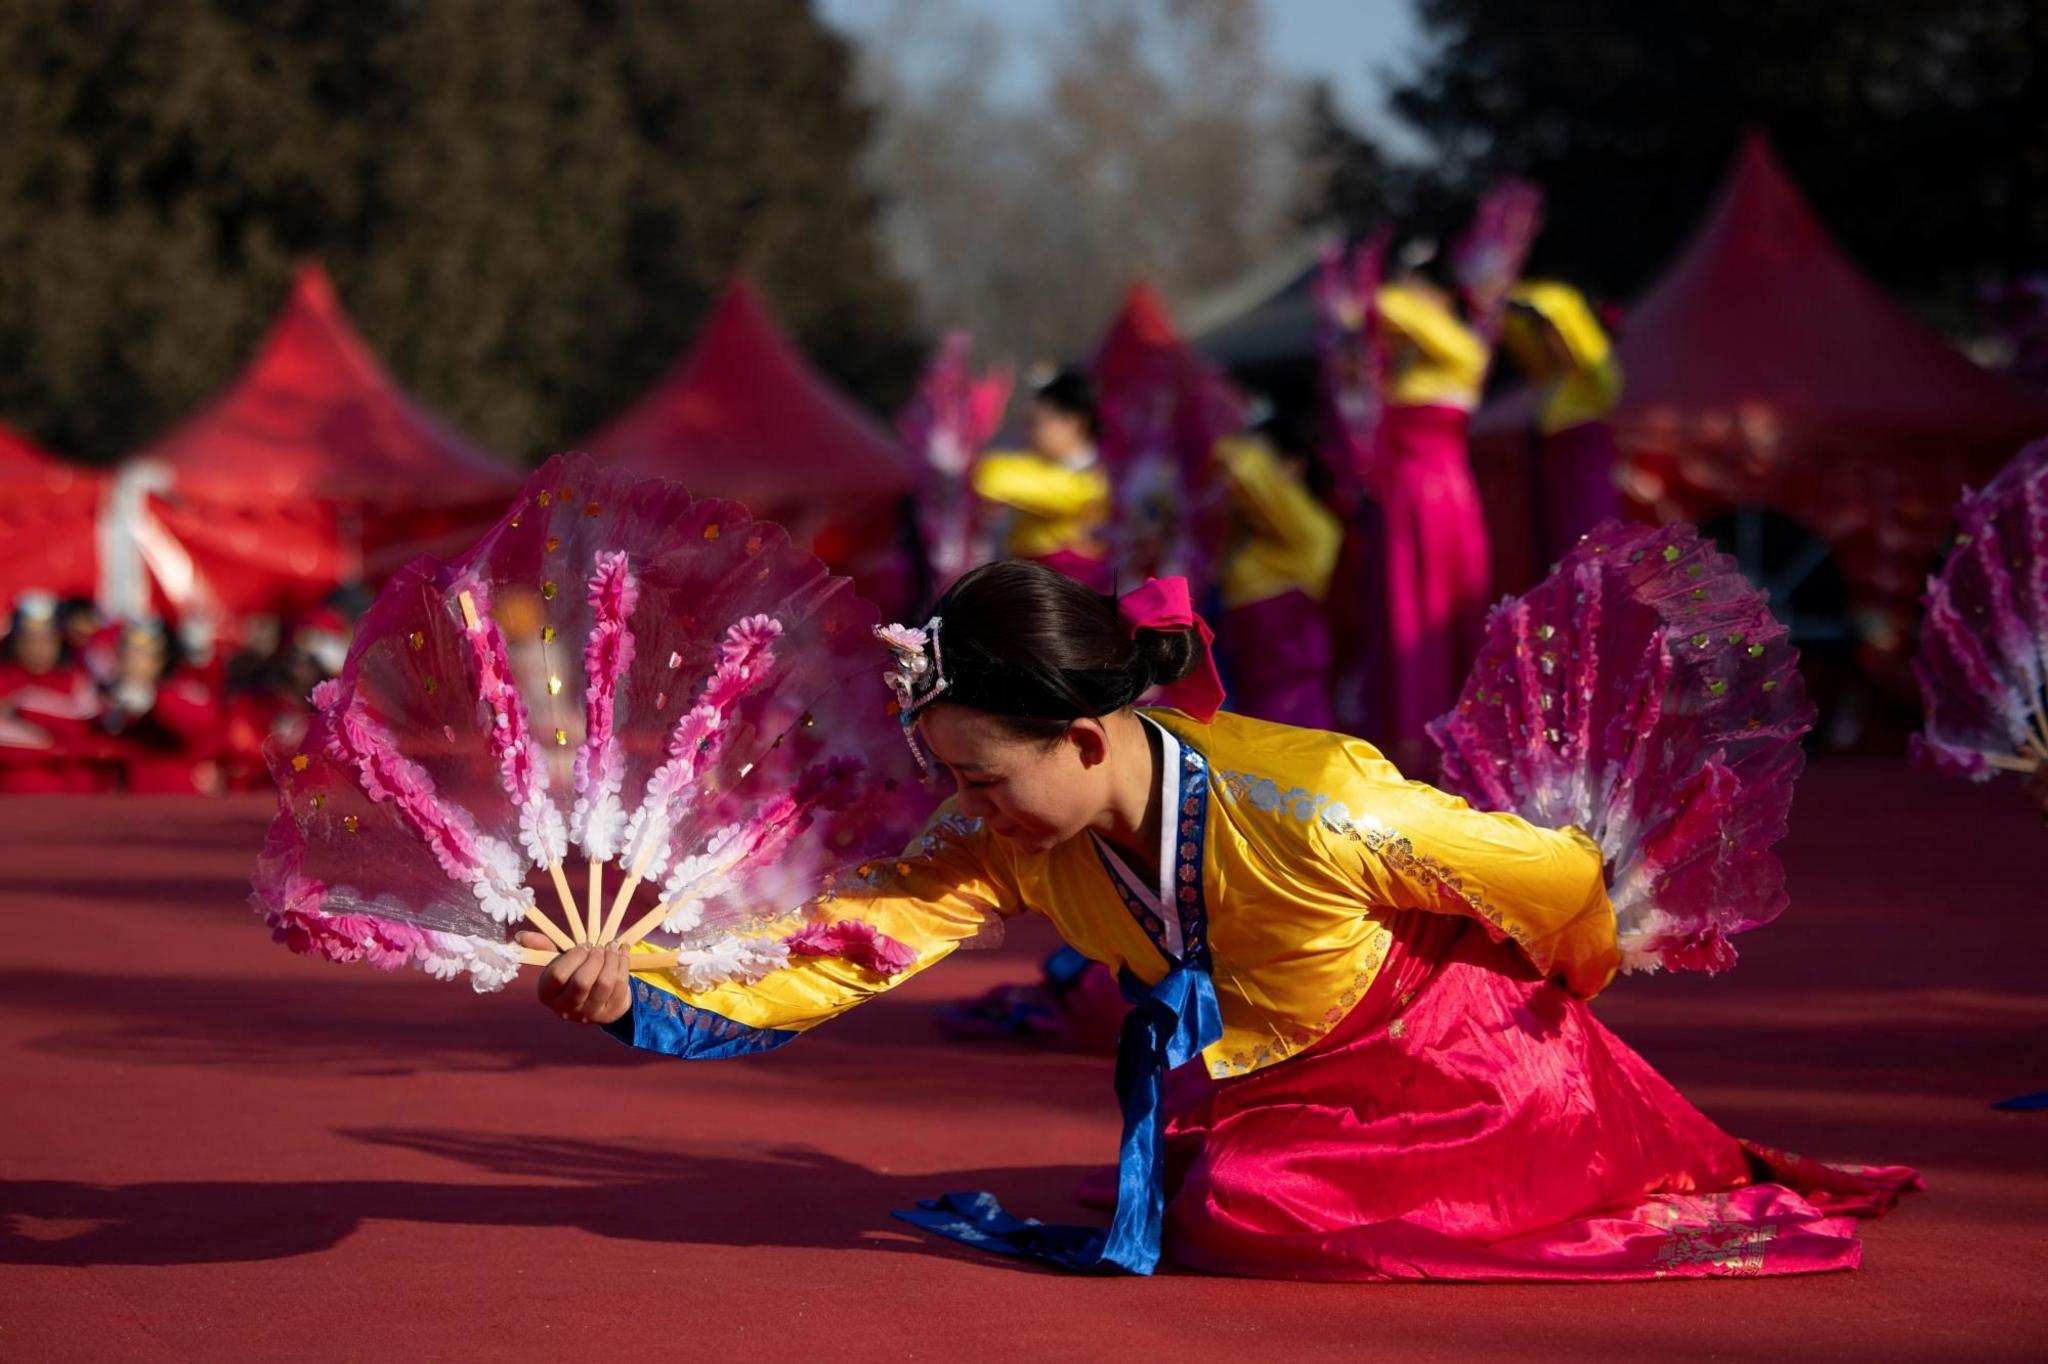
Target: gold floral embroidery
{"type": "Point", "coordinates": [1698, 1235]}
{"type": "Point", "coordinates": [1262, 793]}
{"type": "Point", "coordinates": [1398, 1028]}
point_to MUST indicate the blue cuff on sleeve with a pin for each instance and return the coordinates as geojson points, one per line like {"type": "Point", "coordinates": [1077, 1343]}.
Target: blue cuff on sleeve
{"type": "Point", "coordinates": [661, 1022]}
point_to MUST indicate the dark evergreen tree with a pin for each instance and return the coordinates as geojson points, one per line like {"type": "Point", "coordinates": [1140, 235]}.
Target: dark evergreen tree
{"type": "Point", "coordinates": [526, 206]}
{"type": "Point", "coordinates": [1916, 126]}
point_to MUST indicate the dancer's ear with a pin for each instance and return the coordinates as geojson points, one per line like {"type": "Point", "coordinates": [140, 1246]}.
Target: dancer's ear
{"type": "Point", "coordinates": [1090, 741]}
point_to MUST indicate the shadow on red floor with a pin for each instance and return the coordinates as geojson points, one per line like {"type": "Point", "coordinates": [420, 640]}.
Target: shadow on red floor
{"type": "Point", "coordinates": [214, 1150]}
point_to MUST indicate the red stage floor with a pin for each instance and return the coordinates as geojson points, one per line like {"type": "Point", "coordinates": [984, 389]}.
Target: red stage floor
{"type": "Point", "coordinates": [216, 1151]}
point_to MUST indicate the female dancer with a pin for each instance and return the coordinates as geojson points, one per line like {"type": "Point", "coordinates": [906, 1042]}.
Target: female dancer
{"type": "Point", "coordinates": [1559, 344]}
{"type": "Point", "coordinates": [1360, 1048]}
{"type": "Point", "coordinates": [1274, 635]}
{"type": "Point", "coordinates": [1438, 565]}
{"type": "Point", "coordinates": [1055, 496]}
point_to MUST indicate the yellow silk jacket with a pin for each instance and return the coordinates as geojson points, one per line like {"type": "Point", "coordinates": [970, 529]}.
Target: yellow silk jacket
{"type": "Point", "coordinates": [1053, 507]}
{"type": "Point", "coordinates": [1587, 384]}
{"type": "Point", "coordinates": [1314, 844]}
{"type": "Point", "coordinates": [1439, 361]}
{"type": "Point", "coordinates": [1290, 540]}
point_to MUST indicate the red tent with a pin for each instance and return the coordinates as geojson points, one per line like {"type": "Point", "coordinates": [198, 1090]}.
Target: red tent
{"type": "Point", "coordinates": [315, 469]}
{"type": "Point", "coordinates": [1765, 371]}
{"type": "Point", "coordinates": [49, 511]}
{"type": "Point", "coordinates": [744, 416]}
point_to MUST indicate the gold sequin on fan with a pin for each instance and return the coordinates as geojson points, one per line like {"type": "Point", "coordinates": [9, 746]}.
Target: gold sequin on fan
{"type": "Point", "coordinates": [417, 639]}
{"type": "Point", "coordinates": [561, 738]}
{"type": "Point", "coordinates": [711, 531]}
{"type": "Point", "coordinates": [319, 800]}
{"type": "Point", "coordinates": [545, 498]}
{"type": "Point", "coordinates": [554, 686]}
{"type": "Point", "coordinates": [433, 685]}
{"type": "Point", "coordinates": [300, 762]}
{"type": "Point", "coordinates": [547, 589]}
{"type": "Point", "coordinates": [547, 634]}
{"type": "Point", "coordinates": [552, 543]}
{"type": "Point", "coordinates": [351, 823]}
{"type": "Point", "coordinates": [590, 509]}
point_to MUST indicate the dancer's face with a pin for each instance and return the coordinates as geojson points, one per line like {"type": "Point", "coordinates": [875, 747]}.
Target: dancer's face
{"type": "Point", "coordinates": [1056, 433]}
{"type": "Point", "coordinates": [1033, 793]}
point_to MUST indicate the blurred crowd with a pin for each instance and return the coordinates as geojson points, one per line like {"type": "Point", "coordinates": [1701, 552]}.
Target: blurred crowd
{"type": "Point", "coordinates": [92, 704]}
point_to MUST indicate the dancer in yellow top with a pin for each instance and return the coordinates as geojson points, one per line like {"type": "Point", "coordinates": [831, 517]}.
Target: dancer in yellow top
{"type": "Point", "coordinates": [1055, 497]}
{"type": "Point", "coordinates": [1558, 343]}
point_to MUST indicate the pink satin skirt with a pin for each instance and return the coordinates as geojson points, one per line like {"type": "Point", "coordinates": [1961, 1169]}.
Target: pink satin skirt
{"type": "Point", "coordinates": [1278, 655]}
{"type": "Point", "coordinates": [1438, 568]}
{"type": "Point", "coordinates": [1469, 1121]}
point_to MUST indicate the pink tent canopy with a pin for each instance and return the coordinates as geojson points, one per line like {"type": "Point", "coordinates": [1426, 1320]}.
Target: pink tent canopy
{"type": "Point", "coordinates": [744, 416]}
{"type": "Point", "coordinates": [314, 468]}
{"type": "Point", "coordinates": [48, 513]}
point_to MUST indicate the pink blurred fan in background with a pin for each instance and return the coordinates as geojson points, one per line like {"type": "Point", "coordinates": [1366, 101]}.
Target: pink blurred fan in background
{"type": "Point", "coordinates": [1488, 258]}
{"type": "Point", "coordinates": [617, 675]}
{"type": "Point", "coordinates": [1983, 660]}
{"type": "Point", "coordinates": [1644, 693]}
{"type": "Point", "coordinates": [948, 421]}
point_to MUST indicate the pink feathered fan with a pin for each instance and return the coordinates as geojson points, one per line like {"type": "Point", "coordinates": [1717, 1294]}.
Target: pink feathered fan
{"type": "Point", "coordinates": [1983, 660]}
{"type": "Point", "coordinates": [1644, 693]}
{"type": "Point", "coordinates": [619, 676]}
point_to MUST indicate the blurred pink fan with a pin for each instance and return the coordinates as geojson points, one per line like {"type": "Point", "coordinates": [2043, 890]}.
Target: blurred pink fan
{"type": "Point", "coordinates": [1644, 693]}
{"type": "Point", "coordinates": [1350, 358]}
{"type": "Point", "coordinates": [1489, 257]}
{"type": "Point", "coordinates": [1983, 660]}
{"type": "Point", "coordinates": [616, 675]}
{"type": "Point", "coordinates": [953, 415]}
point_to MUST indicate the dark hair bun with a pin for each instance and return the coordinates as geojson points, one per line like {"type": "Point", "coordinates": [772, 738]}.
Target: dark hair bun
{"type": "Point", "coordinates": [1168, 655]}
{"type": "Point", "coordinates": [1037, 648]}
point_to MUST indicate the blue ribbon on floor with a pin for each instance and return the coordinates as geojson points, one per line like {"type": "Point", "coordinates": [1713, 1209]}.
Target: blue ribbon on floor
{"type": "Point", "coordinates": [1167, 1027]}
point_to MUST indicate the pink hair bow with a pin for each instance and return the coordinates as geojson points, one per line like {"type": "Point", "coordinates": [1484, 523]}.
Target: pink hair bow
{"type": "Point", "coordinates": [1165, 604]}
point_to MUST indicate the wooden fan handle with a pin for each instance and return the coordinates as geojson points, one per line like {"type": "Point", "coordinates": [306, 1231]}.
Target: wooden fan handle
{"type": "Point", "coordinates": [571, 912]}
{"type": "Point", "coordinates": [2012, 763]}
{"type": "Point", "coordinates": [547, 926]}
{"type": "Point", "coordinates": [642, 961]}
{"type": "Point", "coordinates": [626, 889]}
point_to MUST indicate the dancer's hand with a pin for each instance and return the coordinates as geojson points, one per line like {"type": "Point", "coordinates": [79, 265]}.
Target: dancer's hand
{"type": "Point", "coordinates": [585, 984]}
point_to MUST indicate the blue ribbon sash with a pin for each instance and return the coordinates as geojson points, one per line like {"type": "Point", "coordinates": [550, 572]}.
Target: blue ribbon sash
{"type": "Point", "coordinates": [1168, 1026]}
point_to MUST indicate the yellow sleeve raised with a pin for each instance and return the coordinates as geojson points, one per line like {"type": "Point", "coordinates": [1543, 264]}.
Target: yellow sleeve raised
{"type": "Point", "coordinates": [1590, 387]}
{"type": "Point", "coordinates": [1419, 848]}
{"type": "Point", "coordinates": [1451, 361]}
{"type": "Point", "coordinates": [1038, 487]}
{"type": "Point", "coordinates": [1295, 538]}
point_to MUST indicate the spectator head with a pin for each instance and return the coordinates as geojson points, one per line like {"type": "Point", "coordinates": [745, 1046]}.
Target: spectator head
{"type": "Point", "coordinates": [81, 620]}
{"type": "Point", "coordinates": [145, 653]}
{"type": "Point", "coordinates": [34, 640]}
